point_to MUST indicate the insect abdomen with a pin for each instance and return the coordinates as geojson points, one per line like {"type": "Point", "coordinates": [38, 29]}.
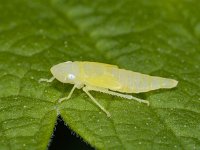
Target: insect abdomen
{"type": "Point", "coordinates": [133, 82]}
{"type": "Point", "coordinates": [113, 78]}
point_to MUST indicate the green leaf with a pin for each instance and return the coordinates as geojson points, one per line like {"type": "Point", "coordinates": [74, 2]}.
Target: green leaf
{"type": "Point", "coordinates": [160, 38]}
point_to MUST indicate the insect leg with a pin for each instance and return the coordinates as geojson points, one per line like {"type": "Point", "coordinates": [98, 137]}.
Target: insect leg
{"type": "Point", "coordinates": [69, 96]}
{"type": "Point", "coordinates": [118, 94]}
{"type": "Point", "coordinates": [46, 80]}
{"type": "Point", "coordinates": [95, 101]}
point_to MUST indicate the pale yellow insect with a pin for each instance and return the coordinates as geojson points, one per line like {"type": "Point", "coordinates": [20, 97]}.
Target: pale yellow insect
{"type": "Point", "coordinates": [105, 78]}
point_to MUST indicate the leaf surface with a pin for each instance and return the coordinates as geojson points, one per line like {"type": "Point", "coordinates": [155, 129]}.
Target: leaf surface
{"type": "Point", "coordinates": [159, 38]}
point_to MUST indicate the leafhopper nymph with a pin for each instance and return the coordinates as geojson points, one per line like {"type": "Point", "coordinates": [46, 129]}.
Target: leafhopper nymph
{"type": "Point", "coordinates": [106, 78]}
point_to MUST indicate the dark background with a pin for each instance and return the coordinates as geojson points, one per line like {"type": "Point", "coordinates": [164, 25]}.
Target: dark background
{"type": "Point", "coordinates": [64, 138]}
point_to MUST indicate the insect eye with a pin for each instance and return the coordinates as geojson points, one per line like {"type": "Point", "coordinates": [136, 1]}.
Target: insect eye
{"type": "Point", "coordinates": [71, 76]}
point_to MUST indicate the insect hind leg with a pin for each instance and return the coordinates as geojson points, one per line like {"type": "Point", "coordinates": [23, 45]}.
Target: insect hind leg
{"type": "Point", "coordinates": [86, 90]}
{"type": "Point", "coordinates": [126, 96]}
